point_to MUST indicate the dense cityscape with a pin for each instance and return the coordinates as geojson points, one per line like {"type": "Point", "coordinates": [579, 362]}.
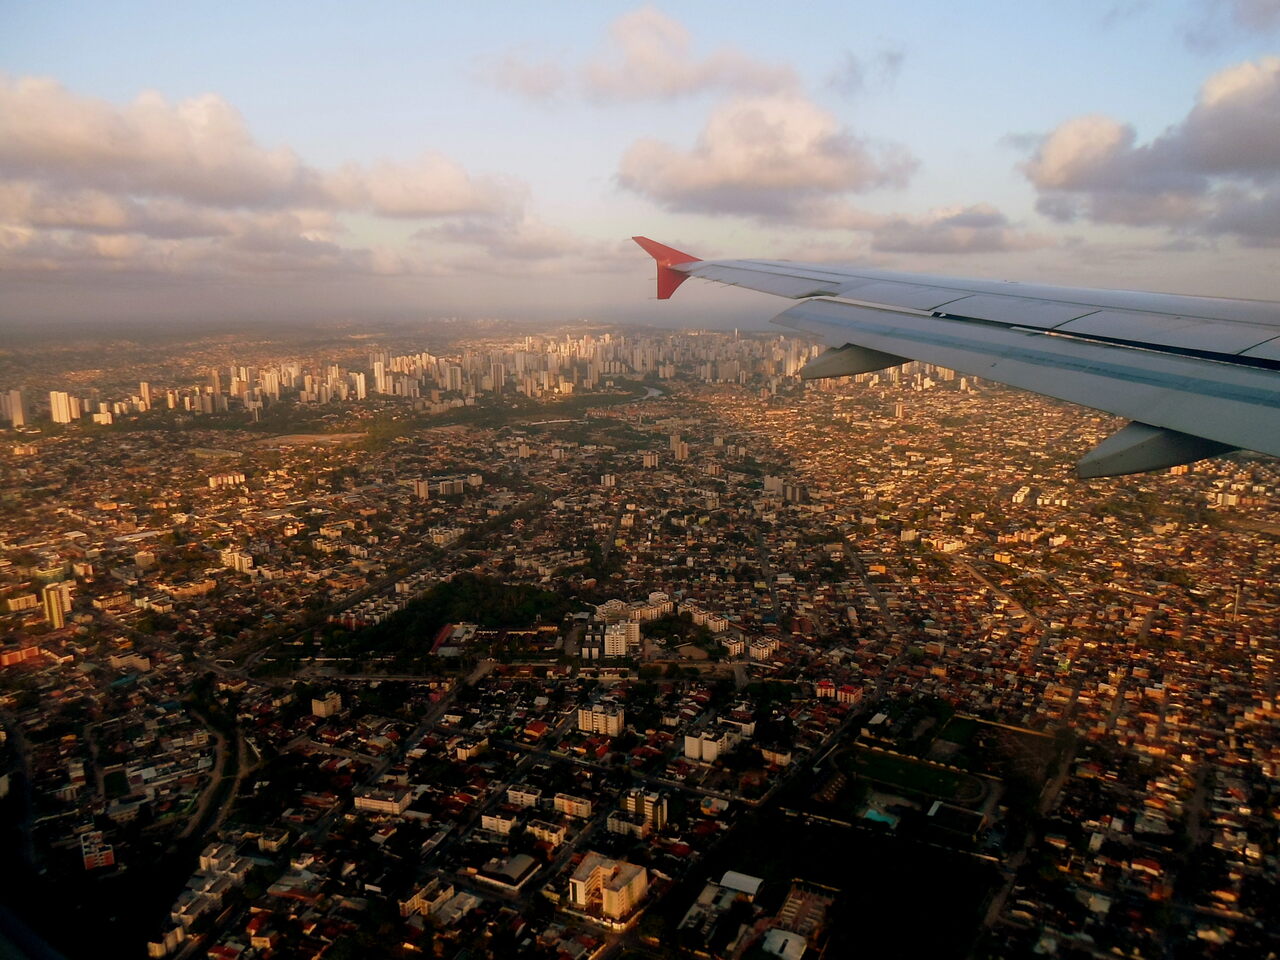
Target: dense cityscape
{"type": "Point", "coordinates": [617, 642]}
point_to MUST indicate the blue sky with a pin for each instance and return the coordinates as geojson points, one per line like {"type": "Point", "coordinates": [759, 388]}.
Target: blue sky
{"type": "Point", "coordinates": [275, 165]}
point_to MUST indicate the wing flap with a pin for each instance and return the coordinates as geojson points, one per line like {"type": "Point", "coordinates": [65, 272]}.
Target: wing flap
{"type": "Point", "coordinates": [1187, 333]}
{"type": "Point", "coordinates": [1022, 311]}
{"type": "Point", "coordinates": [1265, 351]}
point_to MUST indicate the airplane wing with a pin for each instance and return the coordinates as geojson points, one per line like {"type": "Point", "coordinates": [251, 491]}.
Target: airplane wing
{"type": "Point", "coordinates": [1196, 376]}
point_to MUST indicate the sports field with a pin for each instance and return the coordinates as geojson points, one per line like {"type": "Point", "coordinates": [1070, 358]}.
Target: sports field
{"type": "Point", "coordinates": [915, 776]}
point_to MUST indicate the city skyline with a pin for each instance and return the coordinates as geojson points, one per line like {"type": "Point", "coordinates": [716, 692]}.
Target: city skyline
{"type": "Point", "coordinates": [409, 161]}
{"type": "Point", "coordinates": [590, 642]}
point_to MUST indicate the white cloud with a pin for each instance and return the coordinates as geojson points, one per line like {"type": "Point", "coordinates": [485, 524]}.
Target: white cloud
{"type": "Point", "coordinates": [1199, 175]}
{"type": "Point", "coordinates": [201, 152]}
{"type": "Point", "coordinates": [784, 160]}
{"type": "Point", "coordinates": [763, 156]}
{"type": "Point", "coordinates": [651, 57]}
{"type": "Point", "coordinates": [533, 79]}
{"type": "Point", "coordinates": [154, 186]}
{"type": "Point", "coordinates": [648, 56]}
{"type": "Point", "coordinates": [434, 186]}
{"type": "Point", "coordinates": [199, 149]}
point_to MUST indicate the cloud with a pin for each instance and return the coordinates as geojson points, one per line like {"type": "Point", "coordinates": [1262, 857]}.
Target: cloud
{"type": "Point", "coordinates": [762, 156]}
{"type": "Point", "coordinates": [200, 151]}
{"type": "Point", "coordinates": [784, 160]}
{"type": "Point", "coordinates": [533, 80]}
{"type": "Point", "coordinates": [647, 56]}
{"type": "Point", "coordinates": [184, 188]}
{"type": "Point", "coordinates": [1253, 218]}
{"type": "Point", "coordinates": [1121, 10]}
{"type": "Point", "coordinates": [526, 238]}
{"type": "Point", "coordinates": [1255, 14]}
{"type": "Point", "coordinates": [1199, 175]}
{"type": "Point", "coordinates": [433, 186]}
{"type": "Point", "coordinates": [525, 245]}
{"type": "Point", "coordinates": [95, 211]}
{"type": "Point", "coordinates": [979, 228]}
{"type": "Point", "coordinates": [1217, 20]}
{"type": "Point", "coordinates": [651, 57]}
{"type": "Point", "coordinates": [854, 74]}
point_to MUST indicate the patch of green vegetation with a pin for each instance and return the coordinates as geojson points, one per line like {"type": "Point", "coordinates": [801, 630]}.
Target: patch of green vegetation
{"type": "Point", "coordinates": [914, 776]}
{"type": "Point", "coordinates": [467, 598]}
{"type": "Point", "coordinates": [959, 730]}
{"type": "Point", "coordinates": [678, 625]}
{"type": "Point", "coordinates": [515, 410]}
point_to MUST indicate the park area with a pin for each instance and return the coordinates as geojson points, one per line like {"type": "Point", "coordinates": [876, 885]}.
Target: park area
{"type": "Point", "coordinates": [913, 776]}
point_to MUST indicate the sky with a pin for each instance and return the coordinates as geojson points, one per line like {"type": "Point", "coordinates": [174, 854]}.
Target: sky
{"type": "Point", "coordinates": [194, 162]}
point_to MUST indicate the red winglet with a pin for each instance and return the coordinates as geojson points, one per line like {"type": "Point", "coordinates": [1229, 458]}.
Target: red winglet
{"type": "Point", "coordinates": [666, 257]}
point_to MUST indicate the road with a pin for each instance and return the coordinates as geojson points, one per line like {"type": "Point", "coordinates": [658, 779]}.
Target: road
{"type": "Point", "coordinates": [766, 571]}
{"type": "Point", "coordinates": [886, 614]}
{"type": "Point", "coordinates": [216, 776]}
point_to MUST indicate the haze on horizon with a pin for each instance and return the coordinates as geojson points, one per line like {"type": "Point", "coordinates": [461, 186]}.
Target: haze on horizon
{"type": "Point", "coordinates": [198, 162]}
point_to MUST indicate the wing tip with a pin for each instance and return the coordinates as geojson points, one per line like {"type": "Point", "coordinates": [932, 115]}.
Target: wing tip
{"type": "Point", "coordinates": [666, 257]}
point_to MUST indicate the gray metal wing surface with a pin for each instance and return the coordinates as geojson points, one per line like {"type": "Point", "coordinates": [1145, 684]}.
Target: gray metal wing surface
{"type": "Point", "coordinates": [1197, 376]}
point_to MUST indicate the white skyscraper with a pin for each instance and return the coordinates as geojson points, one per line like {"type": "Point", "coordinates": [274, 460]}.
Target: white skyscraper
{"type": "Point", "coordinates": [57, 603]}
{"type": "Point", "coordinates": [17, 411]}
{"type": "Point", "coordinates": [63, 407]}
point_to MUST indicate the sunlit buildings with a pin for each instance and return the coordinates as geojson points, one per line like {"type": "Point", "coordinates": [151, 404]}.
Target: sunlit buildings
{"type": "Point", "coordinates": [608, 719]}
{"type": "Point", "coordinates": [610, 888]}
{"type": "Point", "coordinates": [63, 408]}
{"type": "Point", "coordinates": [57, 603]}
{"type": "Point", "coordinates": [14, 408]}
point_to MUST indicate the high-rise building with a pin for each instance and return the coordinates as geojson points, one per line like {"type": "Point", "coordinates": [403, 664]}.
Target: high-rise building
{"type": "Point", "coordinates": [95, 851]}
{"type": "Point", "coordinates": [327, 706]}
{"type": "Point", "coordinates": [17, 409]}
{"type": "Point", "coordinates": [63, 407]}
{"type": "Point", "coordinates": [621, 639]}
{"type": "Point", "coordinates": [271, 383]}
{"type": "Point", "coordinates": [144, 392]}
{"type": "Point", "coordinates": [57, 603]}
{"type": "Point", "coordinates": [608, 719]}
{"type": "Point", "coordinates": [609, 887]}
{"type": "Point", "coordinates": [650, 805]}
